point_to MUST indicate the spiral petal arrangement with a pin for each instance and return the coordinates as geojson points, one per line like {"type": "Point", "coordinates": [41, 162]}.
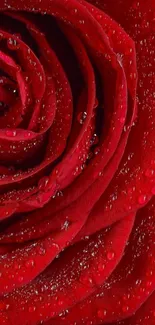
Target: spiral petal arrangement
{"type": "Point", "coordinates": [77, 121]}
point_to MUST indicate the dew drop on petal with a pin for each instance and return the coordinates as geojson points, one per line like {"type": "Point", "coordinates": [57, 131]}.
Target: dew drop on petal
{"type": "Point", "coordinates": [94, 139]}
{"type": "Point", "coordinates": [60, 302]}
{"type": "Point", "coordinates": [86, 280]}
{"type": "Point", "coordinates": [66, 225]}
{"type": "Point", "coordinates": [11, 133]}
{"type": "Point", "coordinates": [52, 313]}
{"type": "Point", "coordinates": [149, 273]}
{"type": "Point", "coordinates": [142, 199]}
{"type": "Point", "coordinates": [97, 150]}
{"type": "Point", "coordinates": [27, 135]}
{"type": "Point", "coordinates": [43, 183]}
{"type": "Point", "coordinates": [12, 44]}
{"type": "Point", "coordinates": [20, 279]}
{"type": "Point", "coordinates": [90, 156]}
{"type": "Point", "coordinates": [122, 120]}
{"type": "Point", "coordinates": [16, 266]}
{"type": "Point", "coordinates": [101, 267]}
{"type": "Point", "coordinates": [68, 117]}
{"type": "Point", "coordinates": [149, 283]}
{"type": "Point", "coordinates": [125, 309]}
{"type": "Point", "coordinates": [110, 255]}
{"type": "Point", "coordinates": [18, 35]}
{"type": "Point", "coordinates": [142, 289]}
{"type": "Point", "coordinates": [101, 313]}
{"type": "Point", "coordinates": [42, 251]}
{"type": "Point", "coordinates": [81, 117]}
{"type": "Point", "coordinates": [99, 17]}
{"type": "Point", "coordinates": [29, 263]}
{"type": "Point", "coordinates": [149, 173]}
{"type": "Point", "coordinates": [32, 309]}
{"type": "Point", "coordinates": [3, 306]}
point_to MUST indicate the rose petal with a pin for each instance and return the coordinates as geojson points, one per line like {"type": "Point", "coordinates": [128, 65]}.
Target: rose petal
{"type": "Point", "coordinates": [139, 156]}
{"type": "Point", "coordinates": [68, 280]}
{"type": "Point", "coordinates": [131, 283]}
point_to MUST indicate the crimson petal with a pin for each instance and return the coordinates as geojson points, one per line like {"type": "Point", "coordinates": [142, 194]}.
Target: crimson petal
{"type": "Point", "coordinates": [70, 280]}
{"type": "Point", "coordinates": [131, 283]}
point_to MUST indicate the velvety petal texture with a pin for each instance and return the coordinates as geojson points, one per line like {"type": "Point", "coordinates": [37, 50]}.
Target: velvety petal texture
{"type": "Point", "coordinates": [77, 162]}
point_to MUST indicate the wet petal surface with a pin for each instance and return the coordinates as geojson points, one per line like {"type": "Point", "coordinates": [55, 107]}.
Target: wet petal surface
{"type": "Point", "coordinates": [77, 162]}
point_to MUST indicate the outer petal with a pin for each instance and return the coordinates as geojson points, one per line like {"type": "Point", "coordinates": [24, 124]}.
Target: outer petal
{"type": "Point", "coordinates": [145, 315]}
{"type": "Point", "coordinates": [71, 278]}
{"type": "Point", "coordinates": [133, 184]}
{"type": "Point", "coordinates": [132, 282]}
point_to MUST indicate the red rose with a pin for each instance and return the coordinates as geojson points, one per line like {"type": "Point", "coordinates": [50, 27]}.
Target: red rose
{"type": "Point", "coordinates": [77, 162]}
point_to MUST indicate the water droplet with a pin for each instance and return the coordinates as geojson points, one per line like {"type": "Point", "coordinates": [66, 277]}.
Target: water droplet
{"type": "Point", "coordinates": [11, 133]}
{"type": "Point", "coordinates": [110, 255]}
{"type": "Point", "coordinates": [16, 266]}
{"type": "Point", "coordinates": [142, 199]}
{"type": "Point", "coordinates": [3, 306]}
{"type": "Point", "coordinates": [12, 44]}
{"type": "Point", "coordinates": [20, 279]}
{"type": "Point", "coordinates": [28, 134]}
{"type": "Point", "coordinates": [32, 309]}
{"type": "Point", "coordinates": [122, 120]}
{"type": "Point", "coordinates": [125, 309]}
{"type": "Point", "coordinates": [43, 183]}
{"type": "Point", "coordinates": [128, 51]}
{"type": "Point", "coordinates": [94, 140]}
{"type": "Point", "coordinates": [101, 313]}
{"type": "Point", "coordinates": [142, 289]}
{"type": "Point", "coordinates": [86, 280]}
{"type": "Point", "coordinates": [97, 151]}
{"type": "Point", "coordinates": [60, 302]}
{"type": "Point", "coordinates": [126, 297]}
{"type": "Point", "coordinates": [149, 173]}
{"type": "Point", "coordinates": [149, 273]}
{"type": "Point", "coordinates": [68, 117]}
{"type": "Point", "coordinates": [99, 17]}
{"type": "Point", "coordinates": [18, 35]}
{"type": "Point", "coordinates": [42, 251]}
{"type": "Point", "coordinates": [89, 322]}
{"type": "Point", "coordinates": [65, 225]}
{"type": "Point", "coordinates": [59, 193]}
{"type": "Point", "coordinates": [101, 267]}
{"type": "Point", "coordinates": [29, 263]}
{"type": "Point", "coordinates": [52, 313]}
{"type": "Point", "coordinates": [47, 304]}
{"type": "Point", "coordinates": [26, 77]}
{"type": "Point", "coordinates": [133, 75]}
{"type": "Point", "coordinates": [149, 283]}
{"type": "Point", "coordinates": [7, 306]}
{"type": "Point", "coordinates": [90, 155]}
{"type": "Point", "coordinates": [81, 117]}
